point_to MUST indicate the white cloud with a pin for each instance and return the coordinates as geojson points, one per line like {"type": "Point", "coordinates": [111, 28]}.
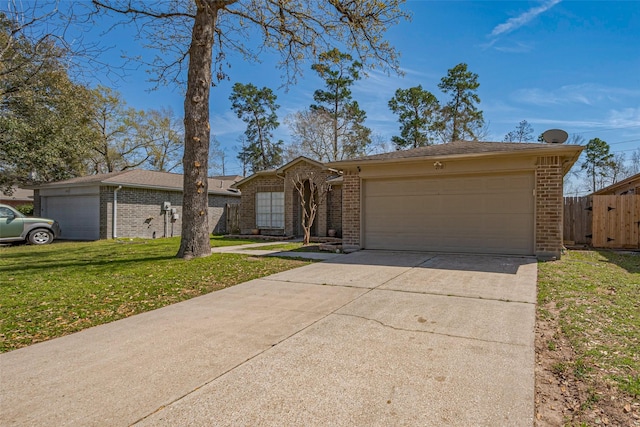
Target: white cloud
{"type": "Point", "coordinates": [226, 123]}
{"type": "Point", "coordinates": [513, 24]}
{"type": "Point", "coordinates": [585, 94]}
{"type": "Point", "coordinates": [628, 117]}
{"type": "Point", "coordinates": [517, 48]}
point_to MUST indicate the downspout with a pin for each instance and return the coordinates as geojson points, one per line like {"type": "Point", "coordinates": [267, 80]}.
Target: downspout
{"type": "Point", "coordinates": [115, 211]}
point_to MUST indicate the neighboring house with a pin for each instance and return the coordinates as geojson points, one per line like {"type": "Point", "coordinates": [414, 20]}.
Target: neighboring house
{"type": "Point", "coordinates": [127, 204]}
{"type": "Point", "coordinates": [271, 203]}
{"type": "Point", "coordinates": [19, 196]}
{"type": "Point", "coordinates": [629, 186]}
{"type": "Point", "coordinates": [468, 197]}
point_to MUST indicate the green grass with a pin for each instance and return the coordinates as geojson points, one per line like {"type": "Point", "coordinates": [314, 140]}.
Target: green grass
{"type": "Point", "coordinates": [598, 297]}
{"type": "Point", "coordinates": [53, 290]}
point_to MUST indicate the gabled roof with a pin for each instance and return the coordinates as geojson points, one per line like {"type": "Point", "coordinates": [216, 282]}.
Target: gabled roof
{"type": "Point", "coordinates": [613, 187]}
{"type": "Point", "coordinates": [466, 149]}
{"type": "Point", "coordinates": [299, 160]}
{"type": "Point", "coordinates": [138, 178]}
{"type": "Point", "coordinates": [280, 170]}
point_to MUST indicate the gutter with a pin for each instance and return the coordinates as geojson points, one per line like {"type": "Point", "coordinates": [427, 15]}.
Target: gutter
{"type": "Point", "coordinates": [115, 212]}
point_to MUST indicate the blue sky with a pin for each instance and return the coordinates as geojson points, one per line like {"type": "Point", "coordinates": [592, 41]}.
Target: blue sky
{"type": "Point", "coordinates": [573, 65]}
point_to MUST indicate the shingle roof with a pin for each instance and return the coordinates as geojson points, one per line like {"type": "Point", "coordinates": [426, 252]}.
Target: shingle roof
{"type": "Point", "coordinates": [459, 148]}
{"type": "Point", "coordinates": [145, 179]}
{"type": "Point", "coordinates": [613, 187]}
{"type": "Point", "coordinates": [278, 171]}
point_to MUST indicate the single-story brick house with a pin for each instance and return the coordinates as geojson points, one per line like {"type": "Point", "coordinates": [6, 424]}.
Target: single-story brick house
{"type": "Point", "coordinates": [129, 203]}
{"type": "Point", "coordinates": [628, 186]}
{"type": "Point", "coordinates": [473, 197]}
{"type": "Point", "coordinates": [271, 203]}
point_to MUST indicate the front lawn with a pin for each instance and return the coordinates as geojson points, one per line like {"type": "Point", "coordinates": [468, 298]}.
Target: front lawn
{"type": "Point", "coordinates": [53, 290]}
{"type": "Point", "coordinates": [589, 315]}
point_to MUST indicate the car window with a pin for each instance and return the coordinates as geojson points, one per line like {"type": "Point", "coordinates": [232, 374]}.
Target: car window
{"type": "Point", "coordinates": [6, 213]}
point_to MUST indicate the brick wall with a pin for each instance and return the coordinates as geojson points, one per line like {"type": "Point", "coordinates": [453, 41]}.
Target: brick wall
{"type": "Point", "coordinates": [140, 213]}
{"type": "Point", "coordinates": [351, 210]}
{"type": "Point", "coordinates": [292, 206]}
{"type": "Point", "coordinates": [334, 209]}
{"type": "Point", "coordinates": [549, 206]}
{"type": "Point", "coordinates": [248, 201]}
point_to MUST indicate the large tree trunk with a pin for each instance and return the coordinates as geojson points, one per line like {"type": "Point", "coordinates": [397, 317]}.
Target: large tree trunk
{"type": "Point", "coordinates": [195, 220]}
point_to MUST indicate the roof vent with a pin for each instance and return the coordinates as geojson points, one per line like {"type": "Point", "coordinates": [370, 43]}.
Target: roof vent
{"type": "Point", "coordinates": [555, 136]}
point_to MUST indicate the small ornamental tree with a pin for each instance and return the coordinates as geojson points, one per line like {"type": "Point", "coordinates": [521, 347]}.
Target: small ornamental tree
{"type": "Point", "coordinates": [312, 187]}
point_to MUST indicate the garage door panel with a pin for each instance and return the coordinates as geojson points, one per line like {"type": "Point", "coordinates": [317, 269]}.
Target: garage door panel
{"type": "Point", "coordinates": [490, 213]}
{"type": "Point", "coordinates": [79, 216]}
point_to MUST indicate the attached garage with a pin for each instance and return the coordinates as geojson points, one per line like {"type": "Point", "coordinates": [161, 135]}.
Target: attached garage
{"type": "Point", "coordinates": [463, 196]}
{"type": "Point", "coordinates": [79, 216]}
{"type": "Point", "coordinates": [481, 213]}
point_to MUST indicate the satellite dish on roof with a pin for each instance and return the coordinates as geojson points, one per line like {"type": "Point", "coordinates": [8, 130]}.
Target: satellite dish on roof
{"type": "Point", "coordinates": [555, 136]}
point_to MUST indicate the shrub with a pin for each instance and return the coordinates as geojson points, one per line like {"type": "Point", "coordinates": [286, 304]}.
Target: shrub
{"type": "Point", "coordinates": [26, 209]}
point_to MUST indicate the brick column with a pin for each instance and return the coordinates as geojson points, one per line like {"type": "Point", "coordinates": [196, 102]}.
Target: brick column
{"type": "Point", "coordinates": [321, 217]}
{"type": "Point", "coordinates": [290, 208]}
{"type": "Point", "coordinates": [549, 206]}
{"type": "Point", "coordinates": [351, 211]}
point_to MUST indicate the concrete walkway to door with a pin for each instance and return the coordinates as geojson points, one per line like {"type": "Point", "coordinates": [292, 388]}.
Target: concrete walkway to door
{"type": "Point", "coordinates": [367, 339]}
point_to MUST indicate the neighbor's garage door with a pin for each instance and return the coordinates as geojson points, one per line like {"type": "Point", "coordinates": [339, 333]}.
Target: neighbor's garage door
{"type": "Point", "coordinates": [79, 216]}
{"type": "Point", "coordinates": [476, 214]}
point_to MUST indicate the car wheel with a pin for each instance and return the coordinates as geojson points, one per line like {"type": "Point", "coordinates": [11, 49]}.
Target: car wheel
{"type": "Point", "coordinates": [40, 237]}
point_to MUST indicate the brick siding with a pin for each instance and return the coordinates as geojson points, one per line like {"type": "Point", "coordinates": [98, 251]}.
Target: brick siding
{"type": "Point", "coordinates": [274, 183]}
{"type": "Point", "coordinates": [334, 209]}
{"type": "Point", "coordinates": [351, 210]}
{"type": "Point", "coordinates": [248, 201]}
{"type": "Point", "coordinates": [549, 206]}
{"type": "Point", "coordinates": [140, 213]}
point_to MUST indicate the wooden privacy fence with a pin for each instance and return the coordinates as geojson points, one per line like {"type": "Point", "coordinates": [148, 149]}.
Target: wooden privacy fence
{"type": "Point", "coordinates": [233, 218]}
{"type": "Point", "coordinates": [616, 221]}
{"type": "Point", "coordinates": [577, 220]}
{"type": "Point", "coordinates": [603, 221]}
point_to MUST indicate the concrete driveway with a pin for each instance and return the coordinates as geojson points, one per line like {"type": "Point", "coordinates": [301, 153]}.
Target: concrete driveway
{"type": "Point", "coordinates": [367, 339]}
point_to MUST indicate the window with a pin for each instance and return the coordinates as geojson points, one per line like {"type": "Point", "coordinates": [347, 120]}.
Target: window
{"type": "Point", "coordinates": [270, 210]}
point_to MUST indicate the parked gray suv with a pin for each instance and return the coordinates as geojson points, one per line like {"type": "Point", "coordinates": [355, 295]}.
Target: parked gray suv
{"type": "Point", "coordinates": [15, 227]}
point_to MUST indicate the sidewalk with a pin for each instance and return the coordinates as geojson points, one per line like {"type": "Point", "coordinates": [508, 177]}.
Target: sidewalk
{"type": "Point", "coordinates": [250, 250]}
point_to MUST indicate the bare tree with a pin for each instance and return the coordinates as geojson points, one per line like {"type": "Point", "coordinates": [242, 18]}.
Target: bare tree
{"type": "Point", "coordinates": [617, 169]}
{"type": "Point", "coordinates": [522, 133]}
{"type": "Point", "coordinates": [161, 132]}
{"type": "Point", "coordinates": [216, 154]}
{"type": "Point", "coordinates": [634, 163]}
{"type": "Point", "coordinates": [313, 135]}
{"type": "Point", "coordinates": [197, 35]}
{"type": "Point", "coordinates": [312, 188]}
{"type": "Point", "coordinates": [117, 146]}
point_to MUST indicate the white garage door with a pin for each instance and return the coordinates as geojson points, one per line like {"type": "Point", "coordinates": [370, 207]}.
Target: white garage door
{"type": "Point", "coordinates": [79, 216]}
{"type": "Point", "coordinates": [475, 214]}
